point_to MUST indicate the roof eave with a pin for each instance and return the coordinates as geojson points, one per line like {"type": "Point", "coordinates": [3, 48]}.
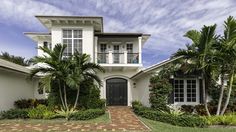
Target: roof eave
{"type": "Point", "coordinates": [153, 67]}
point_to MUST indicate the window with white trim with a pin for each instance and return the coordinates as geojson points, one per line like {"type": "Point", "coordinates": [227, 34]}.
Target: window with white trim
{"type": "Point", "coordinates": [74, 40]}
{"type": "Point", "coordinates": [185, 91]}
{"type": "Point", "coordinates": [179, 90]}
{"type": "Point", "coordinates": [47, 44]}
{"type": "Point", "coordinates": [129, 47]}
{"type": "Point", "coordinates": [191, 91]}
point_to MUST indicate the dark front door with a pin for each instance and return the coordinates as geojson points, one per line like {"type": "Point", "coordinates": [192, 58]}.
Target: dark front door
{"type": "Point", "coordinates": [116, 91]}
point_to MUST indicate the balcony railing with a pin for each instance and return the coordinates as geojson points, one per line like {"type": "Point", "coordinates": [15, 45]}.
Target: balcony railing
{"type": "Point", "coordinates": [132, 58]}
{"type": "Point", "coordinates": [103, 58]}
{"type": "Point", "coordinates": [118, 58]}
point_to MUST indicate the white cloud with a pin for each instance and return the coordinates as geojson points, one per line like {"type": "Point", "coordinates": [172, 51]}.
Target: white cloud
{"type": "Point", "coordinates": [22, 12]}
{"type": "Point", "coordinates": [166, 20]}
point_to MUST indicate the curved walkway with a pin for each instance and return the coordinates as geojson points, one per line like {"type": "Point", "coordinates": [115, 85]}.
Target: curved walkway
{"type": "Point", "coordinates": [122, 119]}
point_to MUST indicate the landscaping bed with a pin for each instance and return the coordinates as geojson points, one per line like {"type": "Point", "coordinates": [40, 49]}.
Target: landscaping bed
{"type": "Point", "coordinates": [43, 112]}
{"type": "Point", "coordinates": [38, 109]}
{"type": "Point", "coordinates": [157, 126]}
{"type": "Point", "coordinates": [184, 119]}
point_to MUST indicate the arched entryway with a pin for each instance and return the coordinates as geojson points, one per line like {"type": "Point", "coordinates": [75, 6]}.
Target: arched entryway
{"type": "Point", "coordinates": [116, 91]}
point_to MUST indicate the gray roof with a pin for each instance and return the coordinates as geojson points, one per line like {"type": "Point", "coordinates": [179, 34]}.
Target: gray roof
{"type": "Point", "coordinates": [14, 67]}
{"type": "Point", "coordinates": [121, 34]}
{"type": "Point", "coordinates": [37, 33]}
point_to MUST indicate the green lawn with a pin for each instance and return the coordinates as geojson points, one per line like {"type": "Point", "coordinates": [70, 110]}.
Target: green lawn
{"type": "Point", "coordinates": [101, 119]}
{"type": "Point", "coordinates": [163, 127]}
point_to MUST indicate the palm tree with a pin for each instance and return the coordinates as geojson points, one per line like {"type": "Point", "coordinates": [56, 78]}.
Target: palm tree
{"type": "Point", "coordinates": [229, 42]}
{"type": "Point", "coordinates": [15, 59]}
{"type": "Point", "coordinates": [81, 69]}
{"type": "Point", "coordinates": [197, 55]}
{"type": "Point", "coordinates": [53, 68]}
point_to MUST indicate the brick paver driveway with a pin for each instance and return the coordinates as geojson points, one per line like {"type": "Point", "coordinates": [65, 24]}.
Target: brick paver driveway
{"type": "Point", "coordinates": [122, 119]}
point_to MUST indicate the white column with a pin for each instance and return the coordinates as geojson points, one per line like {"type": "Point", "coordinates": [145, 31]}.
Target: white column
{"type": "Point", "coordinates": [110, 57]}
{"type": "Point", "coordinates": [125, 57]}
{"type": "Point", "coordinates": [95, 49]}
{"type": "Point", "coordinates": [140, 49]}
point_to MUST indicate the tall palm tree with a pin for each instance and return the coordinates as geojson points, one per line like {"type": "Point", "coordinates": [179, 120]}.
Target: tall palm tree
{"type": "Point", "coordinates": [82, 69]}
{"type": "Point", "coordinates": [53, 68]}
{"type": "Point", "coordinates": [197, 55]}
{"type": "Point", "coordinates": [229, 44]}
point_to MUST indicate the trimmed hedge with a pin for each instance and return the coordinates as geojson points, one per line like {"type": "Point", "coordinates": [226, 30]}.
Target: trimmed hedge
{"type": "Point", "coordinates": [178, 120]}
{"type": "Point", "coordinates": [14, 114]}
{"type": "Point", "coordinates": [87, 114]}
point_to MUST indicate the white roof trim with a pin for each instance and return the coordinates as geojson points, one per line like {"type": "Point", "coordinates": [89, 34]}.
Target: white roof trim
{"type": "Point", "coordinates": [155, 66]}
{"type": "Point", "coordinates": [12, 66]}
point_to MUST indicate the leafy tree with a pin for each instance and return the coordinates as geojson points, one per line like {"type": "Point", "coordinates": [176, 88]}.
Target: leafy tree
{"type": "Point", "coordinates": [15, 59]}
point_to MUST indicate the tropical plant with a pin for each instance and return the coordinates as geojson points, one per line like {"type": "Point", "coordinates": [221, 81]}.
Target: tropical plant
{"type": "Point", "coordinates": [81, 69]}
{"type": "Point", "coordinates": [67, 72]}
{"type": "Point", "coordinates": [66, 113]}
{"type": "Point", "coordinates": [53, 67]}
{"type": "Point", "coordinates": [197, 56]}
{"type": "Point", "coordinates": [15, 59]}
{"type": "Point", "coordinates": [229, 54]}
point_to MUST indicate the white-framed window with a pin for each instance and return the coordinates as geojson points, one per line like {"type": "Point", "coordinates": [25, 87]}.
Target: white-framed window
{"type": "Point", "coordinates": [73, 38]}
{"type": "Point", "coordinates": [129, 47]}
{"type": "Point", "coordinates": [186, 91]}
{"type": "Point", "coordinates": [103, 48]}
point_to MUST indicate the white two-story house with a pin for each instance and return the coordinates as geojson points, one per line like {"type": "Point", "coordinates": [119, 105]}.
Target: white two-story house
{"type": "Point", "coordinates": [120, 54]}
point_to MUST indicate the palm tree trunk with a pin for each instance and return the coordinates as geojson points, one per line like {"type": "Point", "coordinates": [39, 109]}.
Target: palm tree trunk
{"type": "Point", "coordinates": [65, 98]}
{"type": "Point", "coordinates": [221, 95]}
{"type": "Point", "coordinates": [63, 104]}
{"type": "Point", "coordinates": [229, 93]}
{"type": "Point", "coordinates": [77, 97]}
{"type": "Point", "coordinates": [206, 81]}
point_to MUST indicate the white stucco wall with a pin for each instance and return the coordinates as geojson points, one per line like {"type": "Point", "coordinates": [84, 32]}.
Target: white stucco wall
{"type": "Point", "coordinates": [14, 86]}
{"type": "Point", "coordinates": [40, 44]}
{"type": "Point", "coordinates": [141, 89]}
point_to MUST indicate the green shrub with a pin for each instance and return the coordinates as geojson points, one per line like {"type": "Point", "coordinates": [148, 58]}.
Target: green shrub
{"type": "Point", "coordinates": [14, 114]}
{"type": "Point", "coordinates": [187, 108]}
{"type": "Point", "coordinates": [87, 114]}
{"type": "Point", "coordinates": [135, 103]}
{"type": "Point", "coordinates": [49, 115]}
{"type": "Point", "coordinates": [174, 119]}
{"type": "Point", "coordinates": [38, 112]}
{"type": "Point", "coordinates": [96, 103]}
{"type": "Point", "coordinates": [222, 120]}
{"type": "Point", "coordinates": [89, 96]}
{"type": "Point", "coordinates": [65, 113]}
{"type": "Point", "coordinates": [29, 103]}
{"type": "Point", "coordinates": [160, 89]}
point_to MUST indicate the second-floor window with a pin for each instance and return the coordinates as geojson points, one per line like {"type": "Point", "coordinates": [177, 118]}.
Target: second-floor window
{"type": "Point", "coordinates": [103, 48]}
{"type": "Point", "coordinates": [129, 48]}
{"type": "Point", "coordinates": [47, 44]}
{"type": "Point", "coordinates": [74, 40]}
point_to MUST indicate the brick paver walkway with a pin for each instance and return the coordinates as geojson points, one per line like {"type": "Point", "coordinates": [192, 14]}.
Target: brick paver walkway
{"type": "Point", "coordinates": [122, 119]}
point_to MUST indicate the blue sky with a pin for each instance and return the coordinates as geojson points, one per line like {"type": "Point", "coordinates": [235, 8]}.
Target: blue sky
{"type": "Point", "coordinates": [166, 20]}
